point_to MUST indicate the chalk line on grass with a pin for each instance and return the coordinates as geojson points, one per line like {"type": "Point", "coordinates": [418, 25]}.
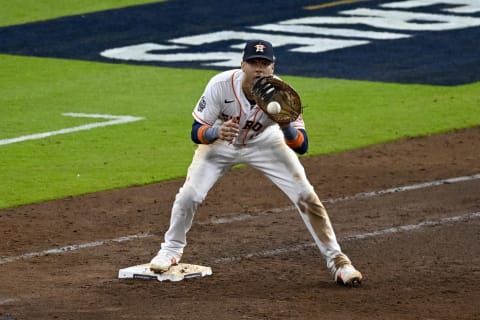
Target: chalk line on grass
{"type": "Point", "coordinates": [113, 120]}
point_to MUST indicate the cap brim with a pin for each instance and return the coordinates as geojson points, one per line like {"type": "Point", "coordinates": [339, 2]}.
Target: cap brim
{"type": "Point", "coordinates": [258, 56]}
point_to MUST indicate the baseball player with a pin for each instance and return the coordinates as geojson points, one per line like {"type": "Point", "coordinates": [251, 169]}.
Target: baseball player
{"type": "Point", "coordinates": [229, 129]}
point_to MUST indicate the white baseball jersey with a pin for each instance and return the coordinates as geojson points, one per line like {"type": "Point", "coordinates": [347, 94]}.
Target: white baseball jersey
{"type": "Point", "coordinates": [223, 99]}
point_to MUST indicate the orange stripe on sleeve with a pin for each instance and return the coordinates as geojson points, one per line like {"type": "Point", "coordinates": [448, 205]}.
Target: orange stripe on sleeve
{"type": "Point", "coordinates": [297, 142]}
{"type": "Point", "coordinates": [201, 134]}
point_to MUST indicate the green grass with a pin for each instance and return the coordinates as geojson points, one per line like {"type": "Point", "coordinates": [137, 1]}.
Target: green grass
{"type": "Point", "coordinates": [33, 101]}
{"type": "Point", "coordinates": [343, 114]}
{"type": "Point", "coordinates": [34, 92]}
{"type": "Point", "coordinates": [22, 11]}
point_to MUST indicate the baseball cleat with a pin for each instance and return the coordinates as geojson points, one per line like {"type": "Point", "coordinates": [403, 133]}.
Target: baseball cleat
{"type": "Point", "coordinates": [162, 262]}
{"type": "Point", "coordinates": [347, 275]}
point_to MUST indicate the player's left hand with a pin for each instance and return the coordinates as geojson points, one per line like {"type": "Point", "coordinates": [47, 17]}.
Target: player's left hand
{"type": "Point", "coordinates": [268, 89]}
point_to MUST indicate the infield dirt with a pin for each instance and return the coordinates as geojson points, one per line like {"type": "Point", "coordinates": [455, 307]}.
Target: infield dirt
{"type": "Point", "coordinates": [263, 260]}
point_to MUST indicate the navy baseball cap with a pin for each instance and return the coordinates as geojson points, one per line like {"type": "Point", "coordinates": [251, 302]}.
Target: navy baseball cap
{"type": "Point", "coordinates": [258, 49]}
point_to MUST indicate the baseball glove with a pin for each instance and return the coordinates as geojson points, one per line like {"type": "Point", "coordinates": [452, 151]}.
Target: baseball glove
{"type": "Point", "coordinates": [268, 89]}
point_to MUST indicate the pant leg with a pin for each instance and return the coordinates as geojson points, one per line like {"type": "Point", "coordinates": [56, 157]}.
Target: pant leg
{"type": "Point", "coordinates": [283, 167]}
{"type": "Point", "coordinates": [209, 163]}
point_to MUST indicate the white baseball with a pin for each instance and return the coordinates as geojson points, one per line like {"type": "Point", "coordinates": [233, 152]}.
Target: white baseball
{"type": "Point", "coordinates": [274, 107]}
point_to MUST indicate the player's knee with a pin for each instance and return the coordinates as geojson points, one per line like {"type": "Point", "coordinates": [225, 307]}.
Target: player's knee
{"type": "Point", "coordinates": [311, 204]}
{"type": "Point", "coordinates": [188, 195]}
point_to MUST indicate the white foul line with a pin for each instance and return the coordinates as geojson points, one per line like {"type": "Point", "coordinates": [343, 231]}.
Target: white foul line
{"type": "Point", "coordinates": [114, 120]}
{"type": "Point", "coordinates": [362, 195]}
{"type": "Point", "coordinates": [243, 216]}
{"type": "Point", "coordinates": [404, 228]}
{"type": "Point", "coordinates": [406, 188]}
{"type": "Point", "coordinates": [74, 247]}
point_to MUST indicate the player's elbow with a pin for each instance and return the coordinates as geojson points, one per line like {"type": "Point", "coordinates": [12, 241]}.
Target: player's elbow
{"type": "Point", "coordinates": [202, 133]}
{"type": "Point", "coordinates": [300, 143]}
{"type": "Point", "coordinates": [302, 149]}
{"type": "Point", "coordinates": [194, 133]}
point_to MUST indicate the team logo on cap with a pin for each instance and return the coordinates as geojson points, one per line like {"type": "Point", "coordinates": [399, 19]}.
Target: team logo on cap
{"type": "Point", "coordinates": [260, 47]}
